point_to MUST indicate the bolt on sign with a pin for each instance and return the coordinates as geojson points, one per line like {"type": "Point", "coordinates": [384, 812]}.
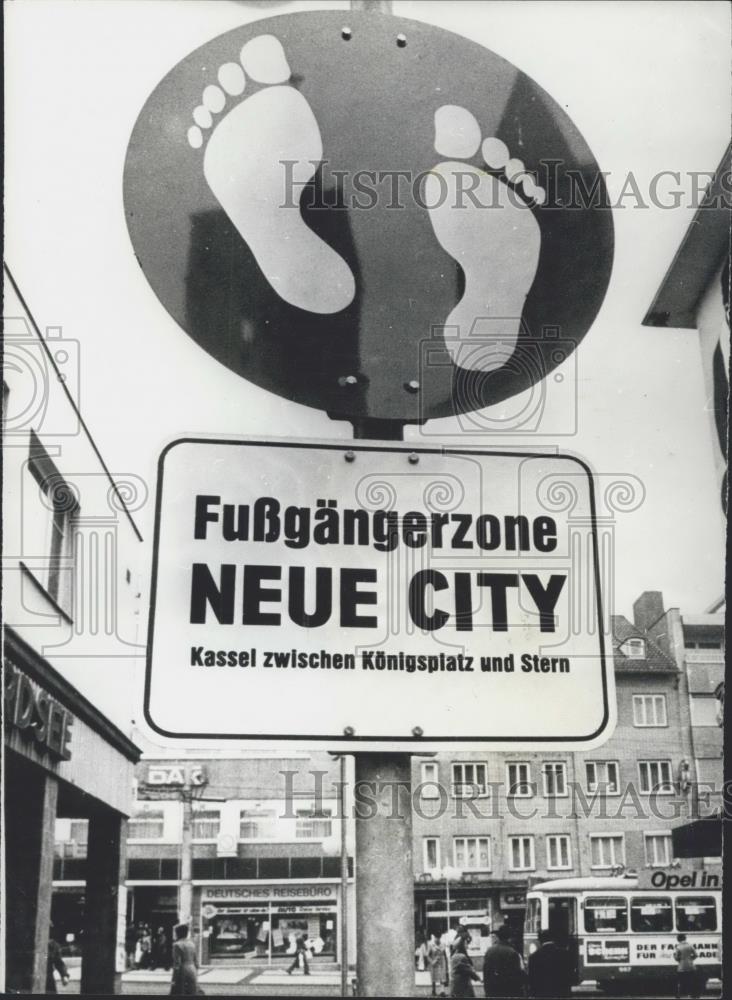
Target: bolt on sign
{"type": "Point", "coordinates": [375, 596]}
{"type": "Point", "coordinates": [369, 215]}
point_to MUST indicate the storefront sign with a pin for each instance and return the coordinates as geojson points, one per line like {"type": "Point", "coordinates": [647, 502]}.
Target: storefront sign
{"type": "Point", "coordinates": [308, 591]}
{"type": "Point", "coordinates": [34, 714]}
{"type": "Point", "coordinates": [517, 899]}
{"type": "Point", "coordinates": [215, 894]}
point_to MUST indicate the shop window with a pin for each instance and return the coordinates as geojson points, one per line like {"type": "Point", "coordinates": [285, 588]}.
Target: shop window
{"type": "Point", "coordinates": [649, 710]}
{"type": "Point", "coordinates": [257, 824]}
{"type": "Point", "coordinates": [554, 773]}
{"type": "Point", "coordinates": [472, 853]}
{"type": "Point", "coordinates": [313, 824]}
{"type": "Point", "coordinates": [469, 781]}
{"type": "Point", "coordinates": [606, 915]}
{"type": "Point", "coordinates": [518, 780]}
{"type": "Point", "coordinates": [558, 852]}
{"type": "Point", "coordinates": [305, 868]}
{"type": "Point", "coordinates": [521, 854]}
{"type": "Point", "coordinates": [696, 914]}
{"type": "Point", "coordinates": [651, 915]}
{"type": "Point", "coordinates": [602, 777]}
{"type": "Point", "coordinates": [60, 509]}
{"type": "Point", "coordinates": [607, 850]}
{"type": "Point", "coordinates": [658, 849]}
{"type": "Point", "coordinates": [147, 825]}
{"type": "Point", "coordinates": [206, 823]}
{"type": "Point", "coordinates": [655, 776]}
{"type": "Point", "coordinates": [274, 868]}
{"type": "Point", "coordinates": [430, 788]}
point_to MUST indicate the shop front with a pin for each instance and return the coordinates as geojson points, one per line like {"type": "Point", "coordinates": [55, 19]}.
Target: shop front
{"type": "Point", "coordinates": [481, 907]}
{"type": "Point", "coordinates": [63, 759]}
{"type": "Point", "coordinates": [264, 921]}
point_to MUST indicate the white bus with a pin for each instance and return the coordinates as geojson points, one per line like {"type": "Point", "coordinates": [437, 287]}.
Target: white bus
{"type": "Point", "coordinates": [620, 934]}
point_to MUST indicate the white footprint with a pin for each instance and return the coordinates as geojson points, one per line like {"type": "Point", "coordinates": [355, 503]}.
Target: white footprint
{"type": "Point", "coordinates": [497, 246]}
{"type": "Point", "coordinates": [243, 165]}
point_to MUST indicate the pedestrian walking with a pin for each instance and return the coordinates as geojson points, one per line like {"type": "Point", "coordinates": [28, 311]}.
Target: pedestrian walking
{"type": "Point", "coordinates": [463, 975]}
{"type": "Point", "coordinates": [687, 981]}
{"type": "Point", "coordinates": [503, 974]}
{"type": "Point", "coordinates": [55, 961]}
{"type": "Point", "coordinates": [301, 956]}
{"type": "Point", "coordinates": [184, 982]}
{"type": "Point", "coordinates": [436, 962]}
{"type": "Point", "coordinates": [550, 969]}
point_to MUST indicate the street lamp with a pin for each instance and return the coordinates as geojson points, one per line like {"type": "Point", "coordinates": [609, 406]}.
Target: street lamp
{"type": "Point", "coordinates": [448, 873]}
{"type": "Point", "coordinates": [334, 846]}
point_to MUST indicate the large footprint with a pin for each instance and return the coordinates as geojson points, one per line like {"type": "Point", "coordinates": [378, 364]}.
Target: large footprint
{"type": "Point", "coordinates": [495, 238]}
{"type": "Point", "coordinates": [243, 164]}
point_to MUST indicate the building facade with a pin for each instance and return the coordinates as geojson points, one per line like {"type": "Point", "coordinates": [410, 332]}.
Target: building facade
{"type": "Point", "coordinates": [70, 549]}
{"type": "Point", "coordinates": [246, 848]}
{"type": "Point", "coordinates": [488, 827]}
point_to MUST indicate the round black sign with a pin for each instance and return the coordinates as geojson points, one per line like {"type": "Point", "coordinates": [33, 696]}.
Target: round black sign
{"type": "Point", "coordinates": [368, 215]}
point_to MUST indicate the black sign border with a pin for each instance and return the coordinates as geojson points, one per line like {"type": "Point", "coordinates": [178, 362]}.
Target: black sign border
{"type": "Point", "coordinates": [371, 741]}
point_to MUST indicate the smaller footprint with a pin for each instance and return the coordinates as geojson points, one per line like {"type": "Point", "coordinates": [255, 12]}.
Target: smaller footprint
{"type": "Point", "coordinates": [496, 241]}
{"type": "Point", "coordinates": [243, 164]}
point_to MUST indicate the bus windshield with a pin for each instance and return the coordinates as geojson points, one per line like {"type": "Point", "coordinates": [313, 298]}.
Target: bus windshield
{"type": "Point", "coordinates": [606, 914]}
{"type": "Point", "coordinates": [696, 914]}
{"type": "Point", "coordinates": [651, 914]}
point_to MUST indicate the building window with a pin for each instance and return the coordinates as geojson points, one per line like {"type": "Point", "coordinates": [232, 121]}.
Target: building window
{"type": "Point", "coordinates": [521, 854]}
{"type": "Point", "coordinates": [472, 853]}
{"type": "Point", "coordinates": [61, 509]}
{"type": "Point", "coordinates": [518, 780]}
{"type": "Point", "coordinates": [554, 773]}
{"type": "Point", "coordinates": [602, 776]}
{"type": "Point", "coordinates": [655, 776]}
{"type": "Point", "coordinates": [313, 824]}
{"type": "Point", "coordinates": [148, 825]}
{"type": "Point", "coordinates": [704, 710]}
{"type": "Point", "coordinates": [634, 649]}
{"type": "Point", "coordinates": [607, 850]}
{"type": "Point", "coordinates": [206, 824]}
{"type": "Point", "coordinates": [430, 787]}
{"type": "Point", "coordinates": [558, 852]}
{"type": "Point", "coordinates": [257, 824]}
{"type": "Point", "coordinates": [649, 710]}
{"type": "Point", "coordinates": [430, 853]}
{"type": "Point", "coordinates": [469, 781]}
{"type": "Point", "coordinates": [658, 849]}
{"type": "Point", "coordinates": [703, 644]}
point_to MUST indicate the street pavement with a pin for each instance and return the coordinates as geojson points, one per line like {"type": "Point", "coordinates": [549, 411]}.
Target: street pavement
{"type": "Point", "coordinates": [243, 980]}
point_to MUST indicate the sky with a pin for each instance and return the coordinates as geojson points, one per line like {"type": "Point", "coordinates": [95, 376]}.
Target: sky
{"type": "Point", "coordinates": [647, 84]}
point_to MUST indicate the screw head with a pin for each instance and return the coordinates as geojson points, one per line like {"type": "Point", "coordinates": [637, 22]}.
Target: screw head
{"type": "Point", "coordinates": [350, 456]}
{"type": "Point", "coordinates": [348, 380]}
{"type": "Point", "coordinates": [346, 34]}
{"type": "Point", "coordinates": [349, 731]}
{"type": "Point", "coordinates": [413, 458]}
{"type": "Point", "coordinates": [401, 41]}
{"type": "Point", "coordinates": [418, 731]}
{"type": "Point", "coordinates": [412, 385]}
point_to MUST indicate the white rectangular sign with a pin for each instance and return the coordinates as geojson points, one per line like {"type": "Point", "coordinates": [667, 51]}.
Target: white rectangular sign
{"type": "Point", "coordinates": [376, 596]}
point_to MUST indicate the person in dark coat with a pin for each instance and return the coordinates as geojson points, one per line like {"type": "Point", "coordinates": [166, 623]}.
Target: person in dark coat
{"type": "Point", "coordinates": [462, 975]}
{"type": "Point", "coordinates": [160, 950]}
{"type": "Point", "coordinates": [55, 961]}
{"type": "Point", "coordinates": [301, 949]}
{"type": "Point", "coordinates": [184, 981]}
{"type": "Point", "coordinates": [550, 969]}
{"type": "Point", "coordinates": [503, 975]}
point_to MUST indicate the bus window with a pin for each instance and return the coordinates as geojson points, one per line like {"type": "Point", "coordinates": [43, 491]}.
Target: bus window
{"type": "Point", "coordinates": [696, 914]}
{"type": "Point", "coordinates": [651, 914]}
{"type": "Point", "coordinates": [605, 914]}
{"type": "Point", "coordinates": [533, 916]}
